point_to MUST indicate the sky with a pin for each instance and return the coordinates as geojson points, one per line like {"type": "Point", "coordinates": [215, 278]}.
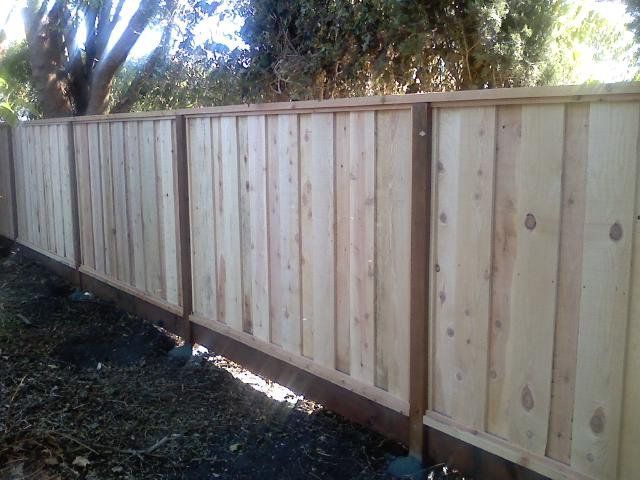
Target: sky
{"type": "Point", "coordinates": [226, 32]}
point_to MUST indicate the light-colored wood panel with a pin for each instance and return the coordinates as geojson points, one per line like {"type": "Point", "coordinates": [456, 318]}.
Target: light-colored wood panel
{"type": "Point", "coordinates": [569, 282]}
{"type": "Point", "coordinates": [150, 221]}
{"type": "Point", "coordinates": [284, 232]}
{"type": "Point", "coordinates": [166, 191]}
{"type": "Point", "coordinates": [520, 393]}
{"type": "Point", "coordinates": [41, 192]}
{"type": "Point", "coordinates": [362, 249]}
{"type": "Point", "coordinates": [253, 208]}
{"type": "Point", "coordinates": [604, 304]}
{"type": "Point", "coordinates": [630, 435]}
{"type": "Point", "coordinates": [393, 250]}
{"type": "Point", "coordinates": [67, 190]}
{"type": "Point", "coordinates": [134, 205]}
{"type": "Point", "coordinates": [227, 221]}
{"type": "Point", "coordinates": [96, 198]}
{"type": "Point", "coordinates": [49, 204]}
{"type": "Point", "coordinates": [81, 151]}
{"type": "Point", "coordinates": [202, 225]}
{"type": "Point", "coordinates": [466, 157]}
{"type": "Point", "coordinates": [318, 237]}
{"type": "Point", "coordinates": [108, 208]}
{"type": "Point", "coordinates": [53, 167]}
{"type": "Point", "coordinates": [343, 242]}
{"type": "Point", "coordinates": [123, 271]}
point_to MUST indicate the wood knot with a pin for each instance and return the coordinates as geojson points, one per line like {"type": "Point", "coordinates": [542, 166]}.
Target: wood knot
{"type": "Point", "coordinates": [530, 221]}
{"type": "Point", "coordinates": [615, 232]}
{"type": "Point", "coordinates": [597, 421]}
{"type": "Point", "coordinates": [450, 332]}
{"type": "Point", "coordinates": [437, 267]}
{"type": "Point", "coordinates": [443, 217]}
{"type": "Point", "coordinates": [526, 397]}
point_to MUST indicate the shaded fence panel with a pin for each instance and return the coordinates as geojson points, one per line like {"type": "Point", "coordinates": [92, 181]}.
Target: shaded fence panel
{"type": "Point", "coordinates": [44, 189]}
{"type": "Point", "coordinates": [534, 249]}
{"type": "Point", "coordinates": [127, 203]}
{"type": "Point", "coordinates": [7, 227]}
{"type": "Point", "coordinates": [300, 240]}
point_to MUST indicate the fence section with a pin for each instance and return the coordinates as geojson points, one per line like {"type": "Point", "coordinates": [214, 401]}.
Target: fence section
{"type": "Point", "coordinates": [127, 199]}
{"type": "Point", "coordinates": [44, 189]}
{"type": "Point", "coordinates": [303, 241]}
{"type": "Point", "coordinates": [536, 303]}
{"type": "Point", "coordinates": [301, 236]}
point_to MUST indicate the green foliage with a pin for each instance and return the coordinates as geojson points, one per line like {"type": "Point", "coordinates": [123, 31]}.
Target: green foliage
{"type": "Point", "coordinates": [7, 113]}
{"type": "Point", "coordinates": [16, 70]}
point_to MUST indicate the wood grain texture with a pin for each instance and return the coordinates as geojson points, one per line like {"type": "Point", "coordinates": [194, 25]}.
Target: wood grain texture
{"type": "Point", "coordinates": [134, 206]}
{"type": "Point", "coordinates": [466, 156]}
{"type": "Point", "coordinates": [343, 242]}
{"type": "Point", "coordinates": [569, 283]}
{"type": "Point", "coordinates": [6, 204]}
{"type": "Point", "coordinates": [362, 250]}
{"type": "Point", "coordinates": [604, 304]}
{"type": "Point", "coordinates": [253, 207]}
{"type": "Point", "coordinates": [284, 232]}
{"type": "Point", "coordinates": [318, 237]}
{"type": "Point", "coordinates": [227, 217]}
{"type": "Point", "coordinates": [202, 224]}
{"type": "Point", "coordinates": [393, 250]}
{"type": "Point", "coordinates": [520, 392]}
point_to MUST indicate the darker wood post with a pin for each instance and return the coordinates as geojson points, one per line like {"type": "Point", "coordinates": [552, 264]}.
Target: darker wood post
{"type": "Point", "coordinates": [420, 250]}
{"type": "Point", "coordinates": [75, 210]}
{"type": "Point", "coordinates": [182, 170]}
{"type": "Point", "coordinates": [12, 183]}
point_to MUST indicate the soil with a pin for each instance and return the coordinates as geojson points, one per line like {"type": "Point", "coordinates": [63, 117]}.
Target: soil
{"type": "Point", "coordinates": [88, 391]}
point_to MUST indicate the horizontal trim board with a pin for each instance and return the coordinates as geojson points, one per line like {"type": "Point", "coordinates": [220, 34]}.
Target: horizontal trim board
{"type": "Point", "coordinates": [345, 381]}
{"type": "Point", "coordinates": [175, 309]}
{"type": "Point", "coordinates": [557, 94]}
{"type": "Point", "coordinates": [502, 448]}
{"type": "Point", "coordinates": [42, 251]}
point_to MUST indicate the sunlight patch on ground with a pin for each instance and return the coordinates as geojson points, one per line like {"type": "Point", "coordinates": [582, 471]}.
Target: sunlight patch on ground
{"type": "Point", "coordinates": [271, 389]}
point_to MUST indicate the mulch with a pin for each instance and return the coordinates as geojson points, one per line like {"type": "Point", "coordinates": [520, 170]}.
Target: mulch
{"type": "Point", "coordinates": [87, 391]}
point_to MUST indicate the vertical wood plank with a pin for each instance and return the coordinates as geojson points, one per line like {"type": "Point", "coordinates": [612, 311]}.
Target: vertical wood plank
{"type": "Point", "coordinates": [630, 435]}
{"type": "Point", "coordinates": [203, 249]}
{"type": "Point", "coordinates": [45, 162]}
{"type": "Point", "coordinates": [166, 184]}
{"type": "Point", "coordinates": [54, 180]}
{"type": "Point", "coordinates": [108, 209]}
{"type": "Point", "coordinates": [96, 197]}
{"type": "Point", "coordinates": [520, 390]}
{"type": "Point", "coordinates": [227, 221]}
{"type": "Point", "coordinates": [343, 242]}
{"type": "Point", "coordinates": [569, 282]}
{"type": "Point", "coordinates": [133, 162]}
{"type": "Point", "coordinates": [284, 232]}
{"type": "Point", "coordinates": [362, 252]}
{"type": "Point", "coordinates": [253, 207]}
{"type": "Point", "coordinates": [318, 237]}
{"type": "Point", "coordinates": [604, 304]}
{"type": "Point", "coordinates": [70, 198]}
{"type": "Point", "coordinates": [150, 220]}
{"type": "Point", "coordinates": [19, 166]}
{"type": "Point", "coordinates": [123, 272]}
{"type": "Point", "coordinates": [81, 153]}
{"type": "Point", "coordinates": [466, 156]}
{"type": "Point", "coordinates": [393, 249]}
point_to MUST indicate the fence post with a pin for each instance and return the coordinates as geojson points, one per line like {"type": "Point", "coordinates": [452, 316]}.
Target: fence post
{"type": "Point", "coordinates": [12, 183]}
{"type": "Point", "coordinates": [420, 249]}
{"type": "Point", "coordinates": [182, 170]}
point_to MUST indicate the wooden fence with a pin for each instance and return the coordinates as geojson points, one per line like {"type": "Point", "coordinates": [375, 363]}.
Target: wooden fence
{"type": "Point", "coordinates": [304, 231]}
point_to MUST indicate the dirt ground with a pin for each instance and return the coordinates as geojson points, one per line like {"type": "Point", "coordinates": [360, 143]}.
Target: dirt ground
{"type": "Point", "coordinates": [87, 391]}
